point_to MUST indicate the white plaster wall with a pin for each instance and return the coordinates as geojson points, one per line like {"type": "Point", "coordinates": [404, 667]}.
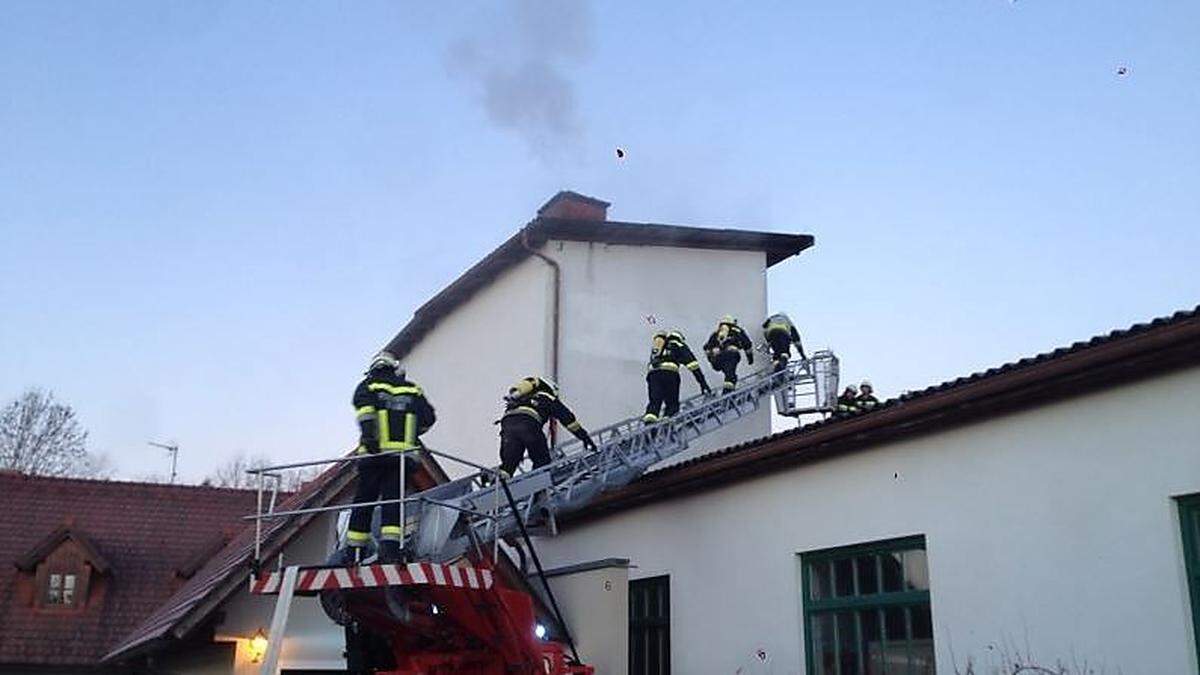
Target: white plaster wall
{"type": "Point", "coordinates": [311, 640]}
{"type": "Point", "coordinates": [473, 355]}
{"type": "Point", "coordinates": [1054, 526]}
{"type": "Point", "coordinates": [609, 290]}
{"type": "Point", "coordinates": [595, 606]}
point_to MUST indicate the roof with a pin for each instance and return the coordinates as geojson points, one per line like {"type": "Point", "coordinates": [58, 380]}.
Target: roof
{"type": "Point", "coordinates": [176, 616]}
{"type": "Point", "coordinates": [1142, 350]}
{"type": "Point", "coordinates": [132, 534]}
{"type": "Point", "coordinates": [536, 233]}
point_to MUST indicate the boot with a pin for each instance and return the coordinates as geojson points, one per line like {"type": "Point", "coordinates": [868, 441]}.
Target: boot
{"type": "Point", "coordinates": [390, 552]}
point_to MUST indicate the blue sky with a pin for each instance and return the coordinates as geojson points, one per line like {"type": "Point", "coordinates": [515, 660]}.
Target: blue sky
{"type": "Point", "coordinates": [211, 213]}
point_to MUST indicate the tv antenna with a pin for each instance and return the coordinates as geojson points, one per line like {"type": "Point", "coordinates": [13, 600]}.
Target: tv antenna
{"type": "Point", "coordinates": [173, 450]}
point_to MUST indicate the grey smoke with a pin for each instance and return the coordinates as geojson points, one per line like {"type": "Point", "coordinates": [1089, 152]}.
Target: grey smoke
{"type": "Point", "coordinates": [521, 71]}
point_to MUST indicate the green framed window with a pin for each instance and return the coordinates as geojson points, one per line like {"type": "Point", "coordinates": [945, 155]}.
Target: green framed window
{"type": "Point", "coordinates": [650, 626]}
{"type": "Point", "coordinates": [1189, 521]}
{"type": "Point", "coordinates": [866, 609]}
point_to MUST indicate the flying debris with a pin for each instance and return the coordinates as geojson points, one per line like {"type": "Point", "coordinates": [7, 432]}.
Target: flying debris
{"type": "Point", "coordinates": [620, 153]}
{"type": "Point", "coordinates": [1122, 71]}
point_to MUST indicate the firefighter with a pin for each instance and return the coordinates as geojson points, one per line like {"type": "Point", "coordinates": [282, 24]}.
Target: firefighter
{"type": "Point", "coordinates": [866, 396]}
{"type": "Point", "coordinates": [668, 354]}
{"type": "Point", "coordinates": [529, 404]}
{"type": "Point", "coordinates": [723, 346]}
{"type": "Point", "coordinates": [847, 403]}
{"type": "Point", "coordinates": [392, 413]}
{"type": "Point", "coordinates": [780, 333]}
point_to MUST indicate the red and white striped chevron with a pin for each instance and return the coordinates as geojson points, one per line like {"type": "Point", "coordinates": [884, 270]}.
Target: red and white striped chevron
{"type": "Point", "coordinates": [313, 579]}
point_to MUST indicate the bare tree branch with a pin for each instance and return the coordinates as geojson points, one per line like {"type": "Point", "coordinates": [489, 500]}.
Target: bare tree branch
{"type": "Point", "coordinates": [39, 436]}
{"type": "Point", "coordinates": [233, 473]}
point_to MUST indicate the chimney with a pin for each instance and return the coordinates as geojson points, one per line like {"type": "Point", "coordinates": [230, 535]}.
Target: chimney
{"type": "Point", "coordinates": [574, 206]}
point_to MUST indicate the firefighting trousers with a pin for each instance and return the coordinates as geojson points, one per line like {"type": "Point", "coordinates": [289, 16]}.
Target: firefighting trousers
{"type": "Point", "coordinates": [378, 478]}
{"type": "Point", "coordinates": [727, 362]}
{"type": "Point", "coordinates": [520, 434]}
{"type": "Point", "coordinates": [662, 388]}
{"type": "Point", "coordinates": [781, 346]}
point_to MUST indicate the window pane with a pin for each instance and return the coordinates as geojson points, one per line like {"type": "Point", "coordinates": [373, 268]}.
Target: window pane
{"type": "Point", "coordinates": [872, 641]}
{"type": "Point", "coordinates": [892, 568]}
{"type": "Point", "coordinates": [819, 580]}
{"type": "Point", "coordinates": [843, 577]}
{"type": "Point", "coordinates": [895, 625]}
{"type": "Point", "coordinates": [69, 589]}
{"type": "Point", "coordinates": [868, 575]}
{"type": "Point", "coordinates": [54, 592]}
{"type": "Point", "coordinates": [916, 570]}
{"type": "Point", "coordinates": [922, 623]}
{"type": "Point", "coordinates": [823, 646]}
{"type": "Point", "coordinates": [847, 634]}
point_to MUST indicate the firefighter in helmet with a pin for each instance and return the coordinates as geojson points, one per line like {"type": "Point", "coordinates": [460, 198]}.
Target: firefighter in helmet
{"type": "Point", "coordinates": [780, 333]}
{"type": "Point", "coordinates": [847, 403]}
{"type": "Point", "coordinates": [866, 396]}
{"type": "Point", "coordinates": [392, 412]}
{"type": "Point", "coordinates": [528, 406]}
{"type": "Point", "coordinates": [724, 349]}
{"type": "Point", "coordinates": [669, 353]}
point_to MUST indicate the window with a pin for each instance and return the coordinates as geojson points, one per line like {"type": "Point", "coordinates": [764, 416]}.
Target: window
{"type": "Point", "coordinates": [1189, 520]}
{"type": "Point", "coordinates": [60, 589]}
{"type": "Point", "coordinates": [866, 609]}
{"type": "Point", "coordinates": [650, 626]}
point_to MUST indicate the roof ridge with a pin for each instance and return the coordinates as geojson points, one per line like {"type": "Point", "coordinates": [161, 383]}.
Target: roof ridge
{"type": "Point", "coordinates": [15, 475]}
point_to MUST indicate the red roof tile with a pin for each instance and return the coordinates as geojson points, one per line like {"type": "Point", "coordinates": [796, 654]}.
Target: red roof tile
{"type": "Point", "coordinates": [144, 533]}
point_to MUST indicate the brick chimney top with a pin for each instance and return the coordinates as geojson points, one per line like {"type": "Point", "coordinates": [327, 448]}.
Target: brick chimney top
{"type": "Point", "coordinates": [574, 206]}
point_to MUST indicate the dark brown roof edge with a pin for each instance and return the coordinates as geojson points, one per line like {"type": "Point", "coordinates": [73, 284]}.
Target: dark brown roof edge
{"type": "Point", "coordinates": [776, 246]}
{"type": "Point", "coordinates": [1123, 356]}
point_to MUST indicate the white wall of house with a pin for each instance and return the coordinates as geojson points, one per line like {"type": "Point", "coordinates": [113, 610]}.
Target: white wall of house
{"type": "Point", "coordinates": [504, 332]}
{"type": "Point", "coordinates": [1054, 527]}
{"type": "Point", "coordinates": [609, 290]}
{"type": "Point", "coordinates": [474, 354]}
{"type": "Point", "coordinates": [311, 641]}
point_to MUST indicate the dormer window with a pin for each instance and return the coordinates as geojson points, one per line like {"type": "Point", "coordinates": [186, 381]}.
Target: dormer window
{"type": "Point", "coordinates": [60, 589]}
{"type": "Point", "coordinates": [64, 569]}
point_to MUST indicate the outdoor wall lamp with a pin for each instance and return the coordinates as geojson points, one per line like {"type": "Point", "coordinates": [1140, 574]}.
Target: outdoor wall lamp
{"type": "Point", "coordinates": [257, 646]}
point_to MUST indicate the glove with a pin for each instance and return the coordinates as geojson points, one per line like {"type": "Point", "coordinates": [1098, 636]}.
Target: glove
{"type": "Point", "coordinates": [371, 444]}
{"type": "Point", "coordinates": [589, 444]}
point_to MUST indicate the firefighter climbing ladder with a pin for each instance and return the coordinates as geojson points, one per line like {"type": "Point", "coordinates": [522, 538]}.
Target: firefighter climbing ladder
{"type": "Point", "coordinates": [461, 517]}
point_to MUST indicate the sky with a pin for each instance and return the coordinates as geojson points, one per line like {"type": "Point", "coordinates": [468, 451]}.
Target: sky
{"type": "Point", "coordinates": [211, 213]}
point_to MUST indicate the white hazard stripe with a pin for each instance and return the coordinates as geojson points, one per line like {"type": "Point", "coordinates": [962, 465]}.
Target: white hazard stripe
{"type": "Point", "coordinates": [391, 574]}
{"type": "Point", "coordinates": [417, 572]}
{"type": "Point", "coordinates": [373, 576]}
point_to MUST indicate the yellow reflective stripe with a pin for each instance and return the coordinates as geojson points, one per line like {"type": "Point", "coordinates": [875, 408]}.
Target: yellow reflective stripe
{"type": "Point", "coordinates": [410, 429]}
{"type": "Point", "coordinates": [367, 412]}
{"type": "Point", "coordinates": [574, 426]}
{"type": "Point", "coordinates": [385, 428]}
{"type": "Point", "coordinates": [532, 412]}
{"type": "Point", "coordinates": [649, 417]}
{"type": "Point", "coordinates": [777, 327]}
{"type": "Point", "coordinates": [395, 532]}
{"type": "Point", "coordinates": [353, 536]}
{"type": "Point", "coordinates": [394, 389]}
{"type": "Point", "coordinates": [665, 365]}
{"type": "Point", "coordinates": [694, 365]}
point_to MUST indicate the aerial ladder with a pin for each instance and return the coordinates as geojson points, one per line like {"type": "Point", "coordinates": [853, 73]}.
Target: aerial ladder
{"type": "Point", "coordinates": [459, 608]}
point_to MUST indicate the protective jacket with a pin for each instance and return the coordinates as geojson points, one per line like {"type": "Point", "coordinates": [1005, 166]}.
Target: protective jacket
{"type": "Point", "coordinates": [779, 330]}
{"type": "Point", "coordinates": [729, 337]}
{"type": "Point", "coordinates": [669, 351]}
{"type": "Point", "coordinates": [392, 412]}
{"type": "Point", "coordinates": [535, 398]}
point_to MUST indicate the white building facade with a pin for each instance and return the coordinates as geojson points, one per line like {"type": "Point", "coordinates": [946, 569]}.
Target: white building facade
{"type": "Point", "coordinates": [576, 297]}
{"type": "Point", "coordinates": [976, 530]}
